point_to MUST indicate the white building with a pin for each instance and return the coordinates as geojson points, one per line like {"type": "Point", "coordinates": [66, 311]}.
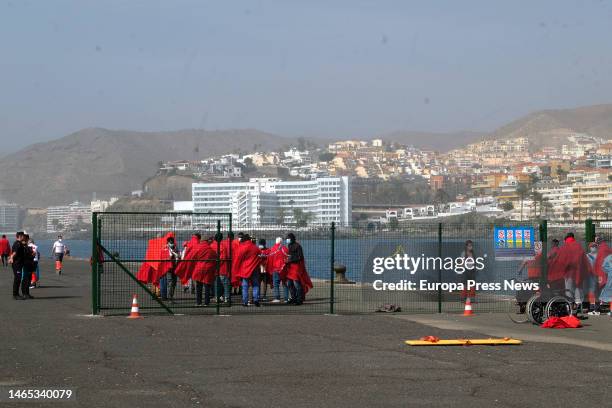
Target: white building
{"type": "Point", "coordinates": [62, 217]}
{"type": "Point", "coordinates": [183, 206]}
{"type": "Point", "coordinates": [102, 205]}
{"type": "Point", "coordinates": [269, 201]}
{"type": "Point", "coordinates": [560, 200]}
{"type": "Point", "coordinates": [9, 218]}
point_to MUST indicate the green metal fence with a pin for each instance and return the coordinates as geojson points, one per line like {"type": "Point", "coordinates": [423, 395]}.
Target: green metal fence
{"type": "Point", "coordinates": [339, 260]}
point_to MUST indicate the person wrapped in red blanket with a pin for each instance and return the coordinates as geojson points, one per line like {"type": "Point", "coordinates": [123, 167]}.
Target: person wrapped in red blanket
{"type": "Point", "coordinates": [570, 263]}
{"type": "Point", "coordinates": [204, 271]}
{"type": "Point", "coordinates": [158, 260]}
{"type": "Point", "coordinates": [266, 269]}
{"type": "Point", "coordinates": [297, 275]}
{"type": "Point", "coordinates": [275, 258]}
{"type": "Point", "coordinates": [224, 284]}
{"type": "Point", "coordinates": [185, 268]}
{"type": "Point", "coordinates": [245, 268]}
{"type": "Point", "coordinates": [598, 277]}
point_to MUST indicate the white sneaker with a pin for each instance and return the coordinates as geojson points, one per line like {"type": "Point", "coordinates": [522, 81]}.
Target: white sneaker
{"type": "Point", "coordinates": [32, 286]}
{"type": "Point", "coordinates": [593, 313]}
{"type": "Point", "coordinates": [276, 301]}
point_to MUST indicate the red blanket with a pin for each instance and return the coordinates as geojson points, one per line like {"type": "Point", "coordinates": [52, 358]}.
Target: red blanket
{"type": "Point", "coordinates": [570, 262]}
{"type": "Point", "coordinates": [247, 260]}
{"type": "Point", "coordinates": [184, 270]}
{"type": "Point", "coordinates": [152, 268]}
{"type": "Point", "coordinates": [205, 265]}
{"type": "Point", "coordinates": [297, 271]}
{"type": "Point", "coordinates": [565, 322]}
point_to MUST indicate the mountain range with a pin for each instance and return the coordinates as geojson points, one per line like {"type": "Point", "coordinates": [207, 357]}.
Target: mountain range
{"type": "Point", "coordinates": [115, 162]}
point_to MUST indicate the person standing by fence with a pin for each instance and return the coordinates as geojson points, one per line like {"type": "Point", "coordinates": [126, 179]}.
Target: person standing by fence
{"type": "Point", "coordinates": [572, 264]}
{"type": "Point", "coordinates": [470, 272]}
{"type": "Point", "coordinates": [204, 271]}
{"type": "Point", "coordinates": [247, 273]}
{"type": "Point", "coordinates": [265, 276]}
{"type": "Point", "coordinates": [58, 252]}
{"type": "Point", "coordinates": [5, 250]}
{"type": "Point", "coordinates": [297, 274]}
{"type": "Point", "coordinates": [167, 270]}
{"type": "Point", "coordinates": [275, 262]}
{"type": "Point", "coordinates": [223, 284]}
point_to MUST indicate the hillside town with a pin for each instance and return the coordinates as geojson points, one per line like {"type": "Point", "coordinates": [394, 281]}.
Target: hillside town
{"type": "Point", "coordinates": [515, 179]}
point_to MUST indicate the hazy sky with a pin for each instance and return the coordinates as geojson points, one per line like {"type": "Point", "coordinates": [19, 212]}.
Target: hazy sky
{"type": "Point", "coordinates": [333, 68]}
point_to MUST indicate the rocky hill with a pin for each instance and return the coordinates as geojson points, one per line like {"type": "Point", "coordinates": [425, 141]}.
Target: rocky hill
{"type": "Point", "coordinates": [111, 162]}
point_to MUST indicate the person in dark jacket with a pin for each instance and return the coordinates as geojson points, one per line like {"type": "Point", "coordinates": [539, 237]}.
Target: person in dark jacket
{"type": "Point", "coordinates": [29, 267]}
{"type": "Point", "coordinates": [16, 260]}
{"type": "Point", "coordinates": [297, 275]}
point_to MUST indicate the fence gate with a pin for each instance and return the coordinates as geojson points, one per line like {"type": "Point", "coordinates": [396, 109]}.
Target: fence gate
{"type": "Point", "coordinates": [120, 242]}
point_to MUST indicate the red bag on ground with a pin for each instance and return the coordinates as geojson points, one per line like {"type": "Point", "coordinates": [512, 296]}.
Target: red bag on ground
{"type": "Point", "coordinates": [565, 322]}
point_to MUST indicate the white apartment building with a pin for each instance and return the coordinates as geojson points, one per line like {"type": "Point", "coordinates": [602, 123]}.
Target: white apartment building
{"type": "Point", "coordinates": [560, 199]}
{"type": "Point", "coordinates": [9, 218]}
{"type": "Point", "coordinates": [62, 217]}
{"type": "Point", "coordinates": [270, 201]}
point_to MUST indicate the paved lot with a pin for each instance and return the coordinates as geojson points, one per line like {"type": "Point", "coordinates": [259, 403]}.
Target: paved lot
{"type": "Point", "coordinates": [280, 361]}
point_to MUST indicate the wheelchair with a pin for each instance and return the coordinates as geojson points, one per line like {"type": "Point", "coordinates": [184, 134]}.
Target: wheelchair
{"type": "Point", "coordinates": [537, 306]}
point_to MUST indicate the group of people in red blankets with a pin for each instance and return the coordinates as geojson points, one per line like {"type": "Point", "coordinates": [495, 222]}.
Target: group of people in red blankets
{"type": "Point", "coordinates": [242, 262]}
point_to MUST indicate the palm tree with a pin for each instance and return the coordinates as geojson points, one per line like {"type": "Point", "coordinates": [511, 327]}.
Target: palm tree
{"type": "Point", "coordinates": [522, 190]}
{"type": "Point", "coordinates": [599, 207]}
{"type": "Point", "coordinates": [536, 198]}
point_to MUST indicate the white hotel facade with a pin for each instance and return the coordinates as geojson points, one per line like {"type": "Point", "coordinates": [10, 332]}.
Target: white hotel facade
{"type": "Point", "coordinates": [264, 201]}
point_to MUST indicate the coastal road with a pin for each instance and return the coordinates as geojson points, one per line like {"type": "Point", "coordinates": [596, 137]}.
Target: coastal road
{"type": "Point", "coordinates": [276, 361]}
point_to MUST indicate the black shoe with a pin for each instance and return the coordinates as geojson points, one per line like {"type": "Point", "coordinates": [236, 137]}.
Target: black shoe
{"type": "Point", "coordinates": [28, 296]}
{"type": "Point", "coordinates": [18, 297]}
{"type": "Point", "coordinates": [256, 304]}
{"type": "Point", "coordinates": [245, 305]}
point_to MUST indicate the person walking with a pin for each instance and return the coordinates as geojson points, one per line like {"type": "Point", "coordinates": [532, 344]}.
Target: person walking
{"type": "Point", "coordinates": [5, 250]}
{"type": "Point", "coordinates": [36, 275]}
{"type": "Point", "coordinates": [58, 252]}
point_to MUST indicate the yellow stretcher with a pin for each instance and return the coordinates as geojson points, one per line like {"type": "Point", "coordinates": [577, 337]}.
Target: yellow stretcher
{"type": "Point", "coordinates": [433, 341]}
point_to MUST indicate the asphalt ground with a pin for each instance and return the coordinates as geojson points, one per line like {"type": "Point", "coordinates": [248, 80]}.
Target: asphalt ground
{"type": "Point", "coordinates": [279, 361]}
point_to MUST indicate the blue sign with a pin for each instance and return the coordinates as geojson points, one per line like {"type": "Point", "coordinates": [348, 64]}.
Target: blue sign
{"type": "Point", "coordinates": [512, 243]}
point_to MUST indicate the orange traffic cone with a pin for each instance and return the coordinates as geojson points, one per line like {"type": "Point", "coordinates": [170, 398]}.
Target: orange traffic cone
{"type": "Point", "coordinates": [135, 313]}
{"type": "Point", "coordinates": [468, 308]}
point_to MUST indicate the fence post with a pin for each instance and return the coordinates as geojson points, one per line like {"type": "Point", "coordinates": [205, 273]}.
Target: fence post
{"type": "Point", "coordinates": [589, 229]}
{"type": "Point", "coordinates": [218, 267]}
{"type": "Point", "coordinates": [95, 305]}
{"type": "Point", "coordinates": [544, 257]}
{"type": "Point", "coordinates": [230, 239]}
{"type": "Point", "coordinates": [439, 269]}
{"type": "Point", "coordinates": [332, 261]}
